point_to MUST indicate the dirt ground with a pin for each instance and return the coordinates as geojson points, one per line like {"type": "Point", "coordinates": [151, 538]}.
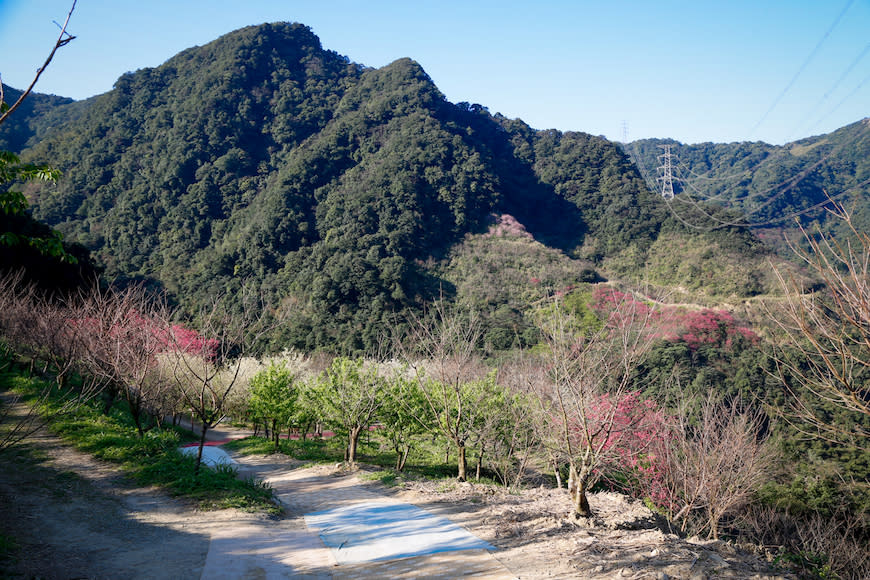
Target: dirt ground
{"type": "Point", "coordinates": [72, 516]}
{"type": "Point", "coordinates": [537, 537]}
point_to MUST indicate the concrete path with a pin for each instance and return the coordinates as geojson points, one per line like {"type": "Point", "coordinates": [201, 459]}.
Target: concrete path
{"type": "Point", "coordinates": [290, 548]}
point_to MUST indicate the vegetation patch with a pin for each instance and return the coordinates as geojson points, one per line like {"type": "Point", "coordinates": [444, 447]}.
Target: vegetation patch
{"type": "Point", "coordinates": [150, 460]}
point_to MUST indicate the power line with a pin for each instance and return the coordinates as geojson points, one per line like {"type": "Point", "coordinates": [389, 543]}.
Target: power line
{"type": "Point", "coordinates": [784, 187]}
{"type": "Point", "coordinates": [834, 87]}
{"type": "Point", "coordinates": [802, 67]}
{"type": "Point", "coordinates": [846, 98]}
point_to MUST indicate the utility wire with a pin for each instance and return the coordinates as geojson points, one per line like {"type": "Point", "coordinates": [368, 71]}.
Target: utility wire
{"type": "Point", "coordinates": [846, 98]}
{"type": "Point", "coordinates": [834, 87]}
{"type": "Point", "coordinates": [803, 66]}
{"type": "Point", "coordinates": [785, 185]}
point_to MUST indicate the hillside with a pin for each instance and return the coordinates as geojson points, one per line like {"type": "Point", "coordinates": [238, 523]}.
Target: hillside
{"type": "Point", "coordinates": [770, 187]}
{"type": "Point", "coordinates": [341, 191]}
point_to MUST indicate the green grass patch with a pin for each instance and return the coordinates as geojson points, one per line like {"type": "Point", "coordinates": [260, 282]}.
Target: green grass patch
{"type": "Point", "coordinates": [315, 450]}
{"type": "Point", "coordinates": [150, 460]}
{"type": "Point", "coordinates": [388, 477]}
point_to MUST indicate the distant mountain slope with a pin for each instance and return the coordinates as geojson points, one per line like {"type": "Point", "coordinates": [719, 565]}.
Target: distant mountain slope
{"type": "Point", "coordinates": [262, 159]}
{"type": "Point", "coordinates": [21, 128]}
{"type": "Point", "coordinates": [771, 186]}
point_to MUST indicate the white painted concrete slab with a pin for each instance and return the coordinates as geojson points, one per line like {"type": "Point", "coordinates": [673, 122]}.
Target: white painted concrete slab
{"type": "Point", "coordinates": [371, 531]}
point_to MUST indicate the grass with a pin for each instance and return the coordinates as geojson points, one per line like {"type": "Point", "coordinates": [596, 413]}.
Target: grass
{"type": "Point", "coordinates": [314, 450]}
{"type": "Point", "coordinates": [388, 477]}
{"type": "Point", "coordinates": [426, 460]}
{"type": "Point", "coordinates": [150, 460]}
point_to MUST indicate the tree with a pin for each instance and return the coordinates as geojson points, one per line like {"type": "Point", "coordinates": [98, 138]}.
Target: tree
{"type": "Point", "coordinates": [350, 392]}
{"type": "Point", "coordinates": [63, 39]}
{"type": "Point", "coordinates": [404, 414]}
{"type": "Point", "coordinates": [711, 464]}
{"type": "Point", "coordinates": [205, 364]}
{"type": "Point", "coordinates": [33, 326]}
{"type": "Point", "coordinates": [124, 339]}
{"type": "Point", "coordinates": [828, 332]}
{"type": "Point", "coordinates": [13, 203]}
{"type": "Point", "coordinates": [507, 433]}
{"type": "Point", "coordinates": [591, 374]}
{"type": "Point", "coordinates": [455, 385]}
{"type": "Point", "coordinates": [273, 397]}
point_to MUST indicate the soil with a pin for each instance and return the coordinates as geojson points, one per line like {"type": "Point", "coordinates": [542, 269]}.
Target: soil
{"type": "Point", "coordinates": [72, 516]}
{"type": "Point", "coordinates": [538, 537]}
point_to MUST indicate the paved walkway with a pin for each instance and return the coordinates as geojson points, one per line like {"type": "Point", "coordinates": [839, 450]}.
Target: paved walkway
{"type": "Point", "coordinates": [291, 549]}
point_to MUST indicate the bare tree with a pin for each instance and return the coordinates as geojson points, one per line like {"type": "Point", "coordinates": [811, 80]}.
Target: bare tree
{"type": "Point", "coordinates": [829, 332]}
{"type": "Point", "coordinates": [205, 365]}
{"type": "Point", "coordinates": [32, 326]}
{"type": "Point", "coordinates": [713, 462]}
{"type": "Point", "coordinates": [60, 342]}
{"type": "Point", "coordinates": [63, 38]}
{"type": "Point", "coordinates": [125, 336]}
{"type": "Point", "coordinates": [591, 374]}
{"type": "Point", "coordinates": [526, 374]}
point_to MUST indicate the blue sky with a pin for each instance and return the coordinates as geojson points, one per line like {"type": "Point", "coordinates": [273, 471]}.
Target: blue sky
{"type": "Point", "coordinates": [702, 70]}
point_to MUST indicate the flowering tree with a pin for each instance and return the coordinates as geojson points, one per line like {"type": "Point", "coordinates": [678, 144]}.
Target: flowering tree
{"type": "Point", "coordinates": [590, 374]}
{"type": "Point", "coordinates": [123, 338]}
{"type": "Point", "coordinates": [694, 327]}
{"type": "Point", "coordinates": [640, 428]}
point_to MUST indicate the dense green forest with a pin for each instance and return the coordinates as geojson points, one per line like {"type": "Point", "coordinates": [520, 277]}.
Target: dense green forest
{"type": "Point", "coordinates": [263, 160]}
{"type": "Point", "coordinates": [771, 187]}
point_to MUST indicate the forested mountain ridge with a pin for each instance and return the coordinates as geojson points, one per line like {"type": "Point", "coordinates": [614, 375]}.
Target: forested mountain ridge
{"type": "Point", "coordinates": [772, 186]}
{"type": "Point", "coordinates": [263, 159]}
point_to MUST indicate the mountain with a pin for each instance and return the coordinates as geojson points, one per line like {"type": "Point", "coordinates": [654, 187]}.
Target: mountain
{"type": "Point", "coordinates": [339, 191]}
{"type": "Point", "coordinates": [772, 187]}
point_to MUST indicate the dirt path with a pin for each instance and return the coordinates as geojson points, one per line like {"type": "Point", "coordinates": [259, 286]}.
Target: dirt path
{"type": "Point", "coordinates": [76, 517]}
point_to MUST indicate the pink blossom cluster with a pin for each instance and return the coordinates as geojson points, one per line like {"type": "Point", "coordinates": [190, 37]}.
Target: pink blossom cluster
{"type": "Point", "coordinates": [507, 226]}
{"type": "Point", "coordinates": [694, 327]}
{"type": "Point", "coordinates": [637, 429]}
{"type": "Point", "coordinates": [134, 327]}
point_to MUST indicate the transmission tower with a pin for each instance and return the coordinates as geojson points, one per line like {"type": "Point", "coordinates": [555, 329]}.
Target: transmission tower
{"type": "Point", "coordinates": [667, 171]}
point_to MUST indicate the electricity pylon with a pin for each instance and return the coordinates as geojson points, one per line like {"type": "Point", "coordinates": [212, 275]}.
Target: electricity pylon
{"type": "Point", "coordinates": [667, 171]}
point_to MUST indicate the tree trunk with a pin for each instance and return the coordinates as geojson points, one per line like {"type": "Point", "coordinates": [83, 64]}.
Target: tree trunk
{"type": "Point", "coordinates": [136, 414]}
{"type": "Point", "coordinates": [110, 400]}
{"type": "Point", "coordinates": [558, 473]}
{"type": "Point", "coordinates": [577, 486]}
{"type": "Point", "coordinates": [398, 449]}
{"type": "Point", "coordinates": [353, 439]}
{"type": "Point", "coordinates": [199, 453]}
{"type": "Point", "coordinates": [462, 462]}
{"type": "Point", "coordinates": [275, 434]}
{"type": "Point", "coordinates": [479, 463]}
{"type": "Point", "coordinates": [402, 457]}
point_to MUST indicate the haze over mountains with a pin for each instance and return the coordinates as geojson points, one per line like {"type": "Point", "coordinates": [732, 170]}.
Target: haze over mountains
{"type": "Point", "coordinates": [353, 194]}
